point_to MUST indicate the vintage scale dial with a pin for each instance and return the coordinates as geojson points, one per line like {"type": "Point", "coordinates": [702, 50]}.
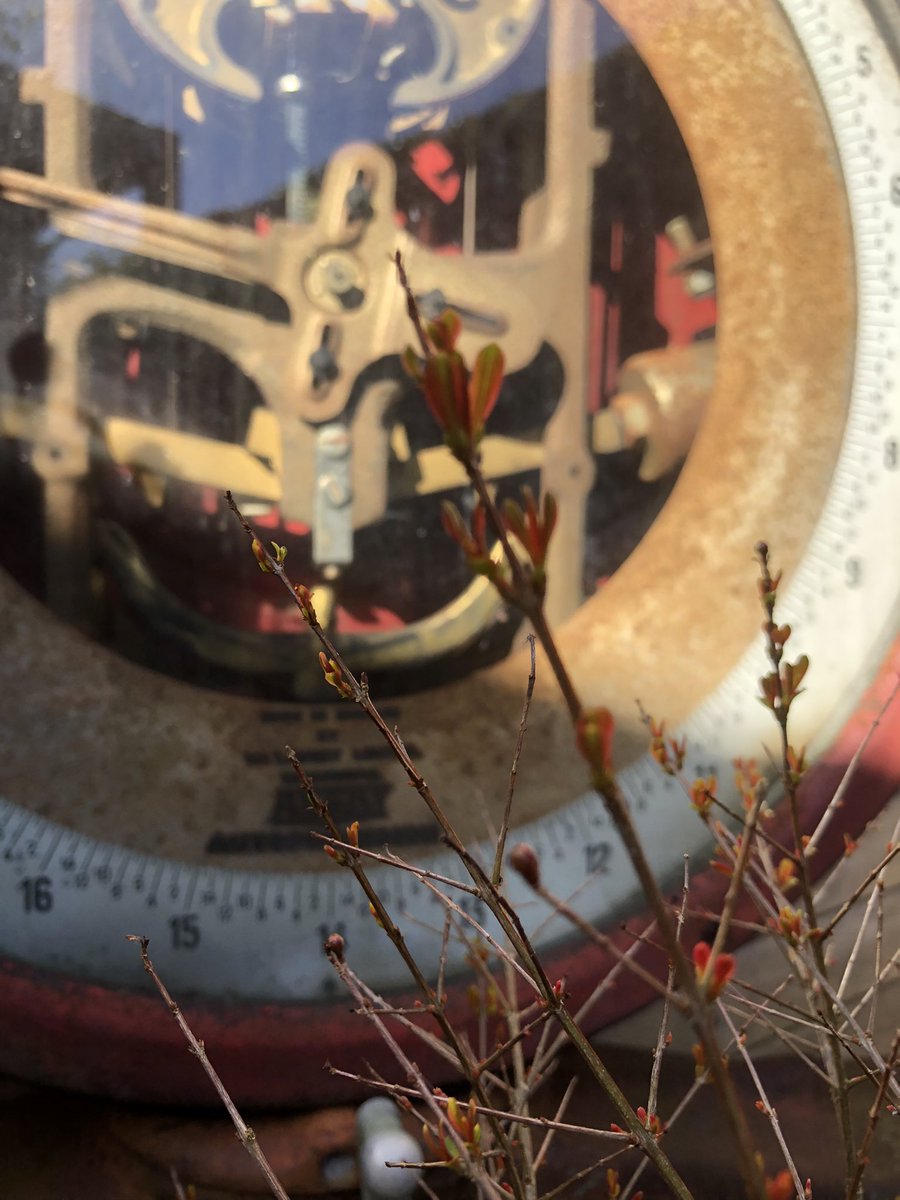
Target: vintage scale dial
{"type": "Point", "coordinates": [679, 220]}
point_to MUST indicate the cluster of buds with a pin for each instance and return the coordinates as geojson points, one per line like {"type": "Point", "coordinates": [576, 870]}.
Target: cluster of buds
{"type": "Point", "coordinates": [305, 604]}
{"type": "Point", "coordinates": [532, 527]}
{"type": "Point", "coordinates": [786, 875]}
{"type": "Point", "coordinates": [748, 780]}
{"type": "Point", "coordinates": [797, 764]}
{"type": "Point", "coordinates": [703, 795]}
{"type": "Point", "coordinates": [262, 556]}
{"type": "Point", "coordinates": [668, 753]}
{"type": "Point", "coordinates": [712, 973]}
{"type": "Point", "coordinates": [650, 1122]}
{"type": "Point", "coordinates": [782, 687]}
{"type": "Point", "coordinates": [271, 562]}
{"type": "Point", "coordinates": [472, 540]}
{"type": "Point", "coordinates": [767, 583]}
{"type": "Point", "coordinates": [460, 400]}
{"type": "Point", "coordinates": [559, 993]}
{"type": "Point", "coordinates": [790, 925]}
{"type": "Point", "coordinates": [464, 1121]}
{"type": "Point", "coordinates": [339, 856]}
{"type": "Point", "coordinates": [335, 676]}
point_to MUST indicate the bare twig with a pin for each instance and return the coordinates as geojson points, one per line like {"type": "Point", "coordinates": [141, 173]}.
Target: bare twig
{"type": "Point", "coordinates": [736, 882]}
{"type": "Point", "coordinates": [583, 1174]}
{"type": "Point", "coordinates": [879, 936]}
{"type": "Point", "coordinates": [837, 800]}
{"type": "Point", "coordinates": [397, 1089]}
{"type": "Point", "coordinates": [551, 1133]}
{"type": "Point", "coordinates": [246, 1136]}
{"type": "Point", "coordinates": [862, 1157]}
{"type": "Point", "coordinates": [177, 1187]}
{"type": "Point", "coordinates": [880, 977]}
{"type": "Point", "coordinates": [497, 872]}
{"type": "Point", "coordinates": [767, 1109]}
{"type": "Point", "coordinates": [387, 859]}
{"type": "Point", "coordinates": [475, 1170]}
{"type": "Point", "coordinates": [594, 935]}
{"type": "Point", "coordinates": [781, 695]}
{"type": "Point", "coordinates": [664, 1016]}
{"type": "Point", "coordinates": [760, 1013]}
{"type": "Point", "coordinates": [546, 1054]}
{"type": "Point", "coordinates": [859, 890]}
{"type": "Point", "coordinates": [518, 1092]}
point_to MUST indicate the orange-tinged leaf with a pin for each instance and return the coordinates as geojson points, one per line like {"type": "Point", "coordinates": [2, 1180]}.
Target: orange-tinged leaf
{"type": "Point", "coordinates": [445, 331]}
{"type": "Point", "coordinates": [594, 734]}
{"type": "Point", "coordinates": [413, 365]}
{"type": "Point", "coordinates": [445, 390]}
{"type": "Point", "coordinates": [551, 512]}
{"type": "Point", "coordinates": [484, 385]}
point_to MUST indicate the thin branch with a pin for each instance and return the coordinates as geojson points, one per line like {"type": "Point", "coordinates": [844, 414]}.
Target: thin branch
{"type": "Point", "coordinates": [497, 872]}
{"type": "Point", "coordinates": [177, 1187]}
{"type": "Point", "coordinates": [544, 1055]}
{"type": "Point", "coordinates": [879, 937]}
{"type": "Point", "coordinates": [795, 1045]}
{"type": "Point", "coordinates": [837, 800]}
{"type": "Point", "coordinates": [664, 1017]}
{"type": "Point", "coordinates": [399, 1089]}
{"type": "Point", "coordinates": [387, 859]}
{"type": "Point", "coordinates": [353, 863]}
{"type": "Point", "coordinates": [474, 1170]}
{"type": "Point", "coordinates": [518, 1092]}
{"type": "Point", "coordinates": [736, 882]}
{"type": "Point", "coordinates": [551, 1133]}
{"type": "Point", "coordinates": [768, 1110]}
{"type": "Point", "coordinates": [468, 919]}
{"type": "Point", "coordinates": [858, 891]}
{"type": "Point", "coordinates": [869, 993]}
{"type": "Point", "coordinates": [583, 1174]}
{"type": "Point", "coordinates": [593, 934]}
{"type": "Point", "coordinates": [412, 308]}
{"type": "Point", "coordinates": [246, 1136]}
{"type": "Point", "coordinates": [442, 959]}
{"type": "Point", "coordinates": [862, 1157]}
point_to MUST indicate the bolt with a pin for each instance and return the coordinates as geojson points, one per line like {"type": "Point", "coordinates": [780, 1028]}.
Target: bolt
{"type": "Point", "coordinates": [359, 201]}
{"type": "Point", "coordinates": [506, 30]}
{"type": "Point", "coordinates": [324, 366]}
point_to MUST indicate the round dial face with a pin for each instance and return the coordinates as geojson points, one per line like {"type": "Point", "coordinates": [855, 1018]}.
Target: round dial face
{"type": "Point", "coordinates": [689, 264]}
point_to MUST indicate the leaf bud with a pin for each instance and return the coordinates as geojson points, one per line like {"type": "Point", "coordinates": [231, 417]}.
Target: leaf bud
{"type": "Point", "coordinates": [524, 860]}
{"type": "Point", "coordinates": [334, 947]}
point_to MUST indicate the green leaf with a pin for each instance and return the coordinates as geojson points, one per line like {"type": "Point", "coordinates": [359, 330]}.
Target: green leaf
{"type": "Point", "coordinates": [484, 385]}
